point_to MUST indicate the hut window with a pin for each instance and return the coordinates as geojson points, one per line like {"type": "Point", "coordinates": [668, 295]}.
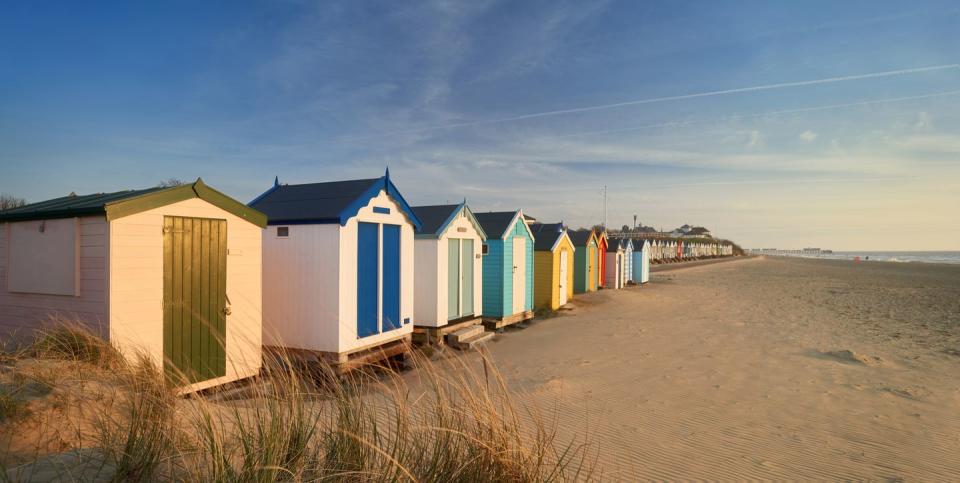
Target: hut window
{"type": "Point", "coordinates": [283, 231]}
{"type": "Point", "coordinates": [43, 257]}
{"type": "Point", "coordinates": [381, 210]}
{"type": "Point", "coordinates": [485, 249]}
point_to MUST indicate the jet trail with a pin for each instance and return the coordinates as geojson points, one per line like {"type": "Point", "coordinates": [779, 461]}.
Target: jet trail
{"type": "Point", "coordinates": [782, 85]}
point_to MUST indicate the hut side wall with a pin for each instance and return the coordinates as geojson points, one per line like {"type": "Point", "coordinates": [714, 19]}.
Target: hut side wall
{"type": "Point", "coordinates": [21, 314]}
{"type": "Point", "coordinates": [301, 291]}
{"type": "Point", "coordinates": [136, 286]}
{"type": "Point", "coordinates": [495, 279]}
{"type": "Point", "coordinates": [544, 294]}
{"type": "Point", "coordinates": [429, 304]}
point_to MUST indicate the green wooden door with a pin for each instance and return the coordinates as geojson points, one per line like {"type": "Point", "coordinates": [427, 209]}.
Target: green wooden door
{"type": "Point", "coordinates": [453, 278]}
{"type": "Point", "coordinates": [466, 286]}
{"type": "Point", "coordinates": [194, 297]}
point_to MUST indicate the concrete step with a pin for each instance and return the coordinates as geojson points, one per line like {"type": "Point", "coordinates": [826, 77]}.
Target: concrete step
{"type": "Point", "coordinates": [464, 334]}
{"type": "Point", "coordinates": [472, 342]}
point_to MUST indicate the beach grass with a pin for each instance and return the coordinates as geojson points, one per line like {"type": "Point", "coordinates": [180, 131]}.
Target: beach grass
{"type": "Point", "coordinates": [110, 417]}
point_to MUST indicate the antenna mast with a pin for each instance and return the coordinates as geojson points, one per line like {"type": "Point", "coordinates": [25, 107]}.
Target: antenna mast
{"type": "Point", "coordinates": [604, 207]}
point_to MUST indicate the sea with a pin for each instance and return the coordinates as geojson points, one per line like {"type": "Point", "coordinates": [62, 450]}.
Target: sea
{"type": "Point", "coordinates": [896, 257]}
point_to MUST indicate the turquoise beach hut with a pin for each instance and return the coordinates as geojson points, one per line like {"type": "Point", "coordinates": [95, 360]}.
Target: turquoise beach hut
{"type": "Point", "coordinates": [507, 268]}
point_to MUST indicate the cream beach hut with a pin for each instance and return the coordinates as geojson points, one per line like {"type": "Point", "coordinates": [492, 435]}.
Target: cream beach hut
{"type": "Point", "coordinates": [615, 266]}
{"type": "Point", "coordinates": [448, 283]}
{"type": "Point", "coordinates": [338, 270]}
{"type": "Point", "coordinates": [170, 273]}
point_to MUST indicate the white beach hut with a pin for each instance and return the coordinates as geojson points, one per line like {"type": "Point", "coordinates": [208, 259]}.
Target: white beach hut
{"type": "Point", "coordinates": [627, 244]}
{"type": "Point", "coordinates": [615, 266]}
{"type": "Point", "coordinates": [338, 270]}
{"type": "Point", "coordinates": [170, 273]}
{"type": "Point", "coordinates": [448, 287]}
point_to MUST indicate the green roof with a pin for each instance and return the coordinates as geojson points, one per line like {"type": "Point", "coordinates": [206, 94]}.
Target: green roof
{"type": "Point", "coordinates": [124, 203]}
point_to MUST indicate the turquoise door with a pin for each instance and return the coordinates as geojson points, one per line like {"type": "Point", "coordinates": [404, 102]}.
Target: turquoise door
{"type": "Point", "coordinates": [453, 279]}
{"type": "Point", "coordinates": [466, 284]}
{"type": "Point", "coordinates": [368, 245]}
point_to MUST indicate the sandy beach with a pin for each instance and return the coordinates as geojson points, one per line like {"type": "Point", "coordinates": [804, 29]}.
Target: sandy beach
{"type": "Point", "coordinates": [757, 368]}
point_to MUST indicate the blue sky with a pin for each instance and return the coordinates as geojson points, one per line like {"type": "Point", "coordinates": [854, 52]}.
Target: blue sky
{"type": "Point", "coordinates": [529, 105]}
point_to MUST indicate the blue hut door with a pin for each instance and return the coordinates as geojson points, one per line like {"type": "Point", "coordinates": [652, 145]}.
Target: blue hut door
{"type": "Point", "coordinates": [368, 254]}
{"type": "Point", "coordinates": [466, 285]}
{"type": "Point", "coordinates": [453, 278]}
{"type": "Point", "coordinates": [390, 296]}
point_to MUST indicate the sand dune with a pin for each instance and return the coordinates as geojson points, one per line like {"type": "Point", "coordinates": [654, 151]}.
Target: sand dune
{"type": "Point", "coordinates": [761, 368]}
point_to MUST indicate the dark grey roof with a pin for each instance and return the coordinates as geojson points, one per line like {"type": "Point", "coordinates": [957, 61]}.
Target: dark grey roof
{"type": "Point", "coordinates": [614, 245]}
{"type": "Point", "coordinates": [70, 206]}
{"type": "Point", "coordinates": [434, 217]}
{"type": "Point", "coordinates": [580, 237]}
{"type": "Point", "coordinates": [546, 235]}
{"type": "Point", "coordinates": [313, 202]}
{"type": "Point", "coordinates": [495, 223]}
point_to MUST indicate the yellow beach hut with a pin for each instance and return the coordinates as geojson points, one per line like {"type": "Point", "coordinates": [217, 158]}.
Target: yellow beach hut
{"type": "Point", "coordinates": [553, 265]}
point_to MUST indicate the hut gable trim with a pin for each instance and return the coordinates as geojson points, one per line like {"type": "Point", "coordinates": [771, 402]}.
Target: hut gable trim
{"type": "Point", "coordinates": [508, 228]}
{"type": "Point", "coordinates": [327, 203]}
{"type": "Point", "coordinates": [125, 203]}
{"type": "Point", "coordinates": [429, 215]}
{"type": "Point", "coordinates": [197, 189]}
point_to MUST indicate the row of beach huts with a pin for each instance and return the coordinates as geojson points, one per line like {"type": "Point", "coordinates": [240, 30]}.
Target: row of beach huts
{"type": "Point", "coordinates": [343, 272]}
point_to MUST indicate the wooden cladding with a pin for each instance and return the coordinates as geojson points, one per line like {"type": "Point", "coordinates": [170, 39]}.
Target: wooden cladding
{"type": "Point", "coordinates": [194, 297]}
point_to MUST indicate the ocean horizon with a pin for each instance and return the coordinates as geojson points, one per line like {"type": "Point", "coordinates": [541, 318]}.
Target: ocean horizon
{"type": "Point", "coordinates": [951, 257]}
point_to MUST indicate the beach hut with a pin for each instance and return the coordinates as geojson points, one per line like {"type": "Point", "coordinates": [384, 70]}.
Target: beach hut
{"type": "Point", "coordinates": [169, 273]}
{"type": "Point", "coordinates": [627, 245]}
{"type": "Point", "coordinates": [553, 265]}
{"type": "Point", "coordinates": [507, 268]}
{"type": "Point", "coordinates": [338, 270]}
{"type": "Point", "coordinates": [585, 270]}
{"type": "Point", "coordinates": [448, 280]}
{"type": "Point", "coordinates": [614, 266]}
{"type": "Point", "coordinates": [641, 261]}
{"type": "Point", "coordinates": [603, 241]}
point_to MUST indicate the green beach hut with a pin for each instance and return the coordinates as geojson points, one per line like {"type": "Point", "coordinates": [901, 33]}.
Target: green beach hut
{"type": "Point", "coordinates": [584, 260]}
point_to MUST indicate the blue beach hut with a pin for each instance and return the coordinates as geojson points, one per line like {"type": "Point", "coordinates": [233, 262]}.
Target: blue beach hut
{"type": "Point", "coordinates": [507, 268]}
{"type": "Point", "coordinates": [641, 261]}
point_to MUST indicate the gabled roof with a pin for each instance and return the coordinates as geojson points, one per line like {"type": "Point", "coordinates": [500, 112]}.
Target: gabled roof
{"type": "Point", "coordinates": [615, 246]}
{"type": "Point", "coordinates": [499, 223]}
{"type": "Point", "coordinates": [547, 235]}
{"type": "Point", "coordinates": [323, 203]}
{"type": "Point", "coordinates": [625, 242]}
{"type": "Point", "coordinates": [124, 203]}
{"type": "Point", "coordinates": [581, 238]}
{"type": "Point", "coordinates": [436, 218]}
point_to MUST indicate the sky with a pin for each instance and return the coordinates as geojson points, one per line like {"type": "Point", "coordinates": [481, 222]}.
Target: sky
{"type": "Point", "coordinates": [774, 124]}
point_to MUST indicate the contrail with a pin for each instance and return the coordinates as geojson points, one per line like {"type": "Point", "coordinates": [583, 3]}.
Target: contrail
{"type": "Point", "coordinates": [782, 85]}
{"type": "Point", "coordinates": [768, 113]}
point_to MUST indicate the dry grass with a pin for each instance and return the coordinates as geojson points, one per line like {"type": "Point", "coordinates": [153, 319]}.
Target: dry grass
{"type": "Point", "coordinates": [110, 419]}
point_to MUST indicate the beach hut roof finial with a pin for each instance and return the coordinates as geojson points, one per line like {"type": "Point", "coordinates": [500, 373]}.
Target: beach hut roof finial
{"type": "Point", "coordinates": [276, 180]}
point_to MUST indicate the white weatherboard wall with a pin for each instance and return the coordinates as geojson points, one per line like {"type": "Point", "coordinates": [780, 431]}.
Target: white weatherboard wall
{"type": "Point", "coordinates": [310, 283]}
{"type": "Point", "coordinates": [22, 313]}
{"type": "Point", "coordinates": [431, 273]}
{"type": "Point", "coordinates": [136, 286]}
